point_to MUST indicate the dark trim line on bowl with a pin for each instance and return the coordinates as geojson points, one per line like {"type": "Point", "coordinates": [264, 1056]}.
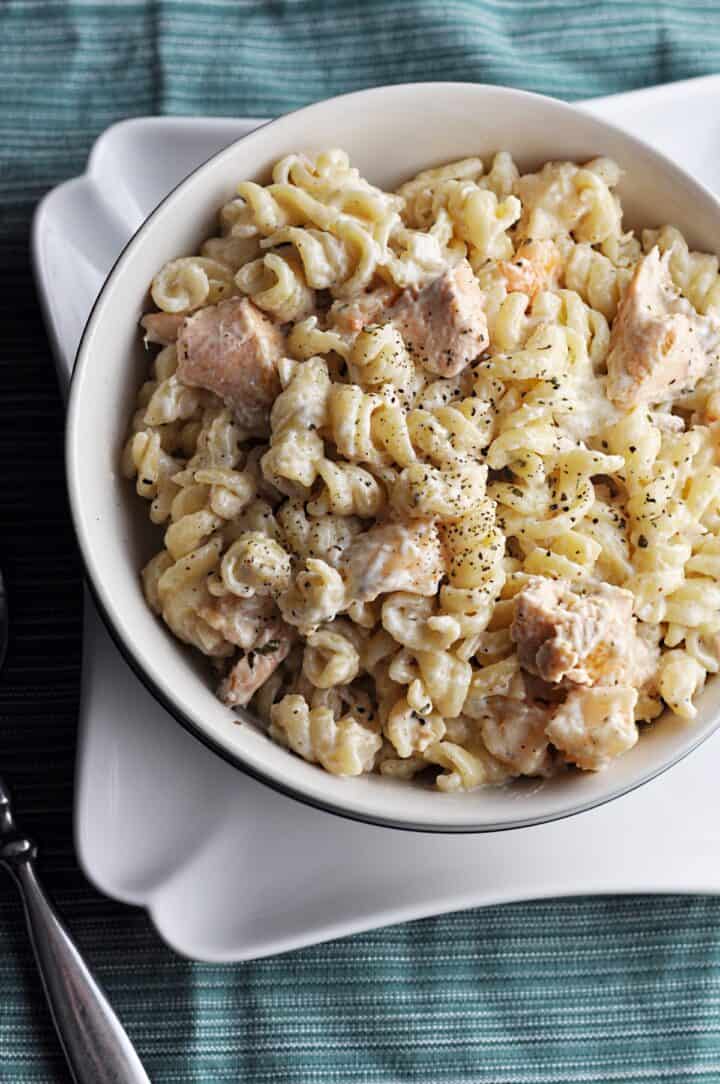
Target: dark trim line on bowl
{"type": "Point", "coordinates": [185, 721]}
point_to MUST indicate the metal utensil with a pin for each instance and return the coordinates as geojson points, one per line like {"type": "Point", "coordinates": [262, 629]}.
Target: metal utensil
{"type": "Point", "coordinates": [96, 1047]}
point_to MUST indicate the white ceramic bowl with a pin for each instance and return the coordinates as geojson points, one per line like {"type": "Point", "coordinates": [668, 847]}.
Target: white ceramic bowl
{"type": "Point", "coordinates": [391, 133]}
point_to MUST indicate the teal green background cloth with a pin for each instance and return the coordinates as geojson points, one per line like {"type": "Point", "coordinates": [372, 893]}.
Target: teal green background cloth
{"type": "Point", "coordinates": [587, 990]}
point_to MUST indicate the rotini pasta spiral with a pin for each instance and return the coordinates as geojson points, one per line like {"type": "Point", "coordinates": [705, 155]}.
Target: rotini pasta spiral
{"type": "Point", "coordinates": [695, 273]}
{"type": "Point", "coordinates": [343, 746]}
{"type": "Point", "coordinates": [277, 285]}
{"type": "Point", "coordinates": [186, 284]}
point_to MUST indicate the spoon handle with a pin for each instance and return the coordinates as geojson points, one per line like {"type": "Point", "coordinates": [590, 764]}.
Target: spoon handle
{"type": "Point", "coordinates": [96, 1047]}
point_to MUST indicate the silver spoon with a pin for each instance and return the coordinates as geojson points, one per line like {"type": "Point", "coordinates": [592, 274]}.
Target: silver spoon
{"type": "Point", "coordinates": [96, 1047]}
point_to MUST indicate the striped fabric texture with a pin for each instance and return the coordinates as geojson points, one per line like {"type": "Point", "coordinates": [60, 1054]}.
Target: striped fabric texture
{"type": "Point", "coordinates": [589, 990]}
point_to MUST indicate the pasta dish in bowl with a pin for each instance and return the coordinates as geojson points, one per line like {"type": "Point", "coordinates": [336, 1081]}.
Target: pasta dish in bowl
{"type": "Point", "coordinates": [432, 462]}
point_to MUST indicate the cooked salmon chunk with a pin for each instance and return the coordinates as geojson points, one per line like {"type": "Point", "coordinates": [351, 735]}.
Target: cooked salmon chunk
{"type": "Point", "coordinates": [534, 268]}
{"type": "Point", "coordinates": [565, 636]}
{"type": "Point", "coordinates": [514, 732]}
{"type": "Point", "coordinates": [393, 557]}
{"type": "Point", "coordinates": [444, 325]}
{"type": "Point", "coordinates": [594, 726]}
{"type": "Point", "coordinates": [161, 327]}
{"type": "Point", "coordinates": [232, 350]}
{"type": "Point", "coordinates": [241, 621]}
{"type": "Point", "coordinates": [659, 345]}
{"type": "Point", "coordinates": [254, 667]}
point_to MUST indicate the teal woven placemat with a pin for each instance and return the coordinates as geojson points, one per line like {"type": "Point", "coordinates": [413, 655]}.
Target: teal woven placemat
{"type": "Point", "coordinates": [559, 991]}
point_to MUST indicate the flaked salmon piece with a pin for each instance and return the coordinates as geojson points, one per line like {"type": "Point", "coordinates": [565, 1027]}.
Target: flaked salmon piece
{"type": "Point", "coordinates": [593, 726]}
{"type": "Point", "coordinates": [541, 692]}
{"type": "Point", "coordinates": [535, 267]}
{"type": "Point", "coordinates": [393, 557]}
{"type": "Point", "coordinates": [444, 324]}
{"type": "Point", "coordinates": [241, 621]}
{"type": "Point", "coordinates": [514, 732]}
{"type": "Point", "coordinates": [254, 667]}
{"type": "Point", "coordinates": [233, 350]}
{"type": "Point", "coordinates": [161, 327]}
{"type": "Point", "coordinates": [350, 317]}
{"type": "Point", "coordinates": [565, 636]}
{"type": "Point", "coordinates": [659, 345]}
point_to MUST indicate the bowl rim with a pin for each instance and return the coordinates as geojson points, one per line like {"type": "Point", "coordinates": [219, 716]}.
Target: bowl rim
{"type": "Point", "coordinates": [94, 580]}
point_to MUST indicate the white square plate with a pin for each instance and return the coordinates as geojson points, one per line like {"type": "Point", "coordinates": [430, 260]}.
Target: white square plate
{"type": "Point", "coordinates": [227, 868]}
